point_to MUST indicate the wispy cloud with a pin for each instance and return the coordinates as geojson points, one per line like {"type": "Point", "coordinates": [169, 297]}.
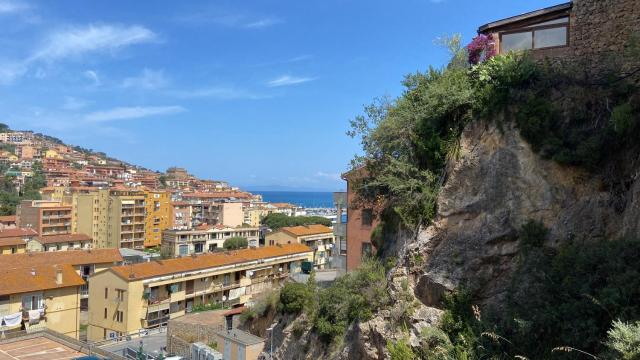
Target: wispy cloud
{"type": "Point", "coordinates": [72, 103]}
{"type": "Point", "coordinates": [77, 41]}
{"type": "Point", "coordinates": [12, 7]}
{"type": "Point", "coordinates": [217, 92]}
{"type": "Point", "coordinates": [228, 19]}
{"type": "Point", "coordinates": [148, 79]}
{"type": "Point", "coordinates": [287, 80]}
{"type": "Point", "coordinates": [291, 60]}
{"type": "Point", "coordinates": [262, 23]}
{"type": "Point", "coordinates": [134, 112]}
{"type": "Point", "coordinates": [93, 76]}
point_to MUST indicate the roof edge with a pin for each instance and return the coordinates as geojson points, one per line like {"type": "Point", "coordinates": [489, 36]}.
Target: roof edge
{"type": "Point", "coordinates": [525, 16]}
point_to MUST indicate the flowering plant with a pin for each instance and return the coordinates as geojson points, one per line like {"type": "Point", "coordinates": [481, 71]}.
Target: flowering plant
{"type": "Point", "coordinates": [481, 48]}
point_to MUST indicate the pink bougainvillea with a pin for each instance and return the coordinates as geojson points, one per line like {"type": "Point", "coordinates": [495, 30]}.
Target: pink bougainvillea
{"type": "Point", "coordinates": [481, 48]}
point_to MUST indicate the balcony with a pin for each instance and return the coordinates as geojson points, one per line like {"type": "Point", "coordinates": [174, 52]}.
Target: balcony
{"type": "Point", "coordinates": [158, 299]}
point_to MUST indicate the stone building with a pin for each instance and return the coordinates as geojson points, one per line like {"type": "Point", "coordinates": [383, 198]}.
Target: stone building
{"type": "Point", "coordinates": [594, 35]}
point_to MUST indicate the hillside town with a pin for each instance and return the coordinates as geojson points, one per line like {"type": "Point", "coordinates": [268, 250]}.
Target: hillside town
{"type": "Point", "coordinates": [100, 250]}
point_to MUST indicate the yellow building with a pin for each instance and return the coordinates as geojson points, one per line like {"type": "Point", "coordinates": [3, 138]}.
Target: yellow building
{"type": "Point", "coordinates": [41, 296]}
{"type": "Point", "coordinates": [113, 217]}
{"type": "Point", "coordinates": [254, 215]}
{"type": "Point", "coordinates": [318, 237]}
{"type": "Point", "coordinates": [52, 154]}
{"type": "Point", "coordinates": [126, 299]}
{"type": "Point", "coordinates": [16, 241]}
{"type": "Point", "coordinates": [158, 217]}
{"type": "Point", "coordinates": [84, 262]}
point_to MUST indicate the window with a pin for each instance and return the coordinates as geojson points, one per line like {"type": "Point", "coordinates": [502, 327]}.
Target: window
{"type": "Point", "coordinates": [106, 293]}
{"type": "Point", "coordinates": [120, 294]}
{"type": "Point", "coordinates": [367, 217]}
{"type": "Point", "coordinates": [32, 302]}
{"type": "Point", "coordinates": [553, 33]}
{"type": "Point", "coordinates": [105, 313]}
{"type": "Point", "coordinates": [119, 316]}
{"type": "Point", "coordinates": [14, 250]}
{"type": "Point", "coordinates": [213, 247]}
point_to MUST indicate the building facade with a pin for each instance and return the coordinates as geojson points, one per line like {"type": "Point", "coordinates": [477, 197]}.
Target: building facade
{"type": "Point", "coordinates": [127, 299]}
{"type": "Point", "coordinates": [17, 241]}
{"type": "Point", "coordinates": [44, 216]}
{"type": "Point", "coordinates": [317, 237]}
{"type": "Point", "coordinates": [177, 243]}
{"type": "Point", "coordinates": [158, 216]}
{"type": "Point", "coordinates": [361, 220]}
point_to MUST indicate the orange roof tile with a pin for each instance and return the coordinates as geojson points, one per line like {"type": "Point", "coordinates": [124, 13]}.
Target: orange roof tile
{"type": "Point", "coordinates": [9, 218]}
{"type": "Point", "coordinates": [218, 195]}
{"type": "Point", "coordinates": [209, 260]}
{"type": "Point", "coordinates": [6, 233]}
{"type": "Point", "coordinates": [71, 257]}
{"type": "Point", "coordinates": [305, 230]}
{"type": "Point", "coordinates": [22, 280]}
{"type": "Point", "coordinates": [12, 241]}
{"type": "Point", "coordinates": [53, 239]}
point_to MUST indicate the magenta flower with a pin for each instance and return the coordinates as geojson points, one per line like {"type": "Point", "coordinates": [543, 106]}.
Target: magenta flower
{"type": "Point", "coordinates": [481, 48]}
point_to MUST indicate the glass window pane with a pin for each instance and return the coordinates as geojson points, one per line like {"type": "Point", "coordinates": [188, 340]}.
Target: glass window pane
{"type": "Point", "coordinates": [517, 41]}
{"type": "Point", "coordinates": [551, 37]}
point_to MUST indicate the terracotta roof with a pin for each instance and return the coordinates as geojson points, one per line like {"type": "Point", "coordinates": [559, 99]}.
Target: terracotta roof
{"type": "Point", "coordinates": [218, 195]}
{"type": "Point", "coordinates": [10, 218]}
{"type": "Point", "coordinates": [283, 205]}
{"type": "Point", "coordinates": [209, 260]}
{"type": "Point", "coordinates": [71, 257]}
{"type": "Point", "coordinates": [10, 233]}
{"type": "Point", "coordinates": [21, 280]}
{"type": "Point", "coordinates": [12, 241]}
{"type": "Point", "coordinates": [305, 230]}
{"type": "Point", "coordinates": [53, 239]}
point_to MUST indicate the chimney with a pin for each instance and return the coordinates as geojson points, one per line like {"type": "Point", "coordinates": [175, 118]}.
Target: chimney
{"type": "Point", "coordinates": [58, 276]}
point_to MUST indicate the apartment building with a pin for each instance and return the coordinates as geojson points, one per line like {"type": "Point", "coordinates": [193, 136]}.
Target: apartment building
{"type": "Point", "coordinates": [204, 239]}
{"type": "Point", "coordinates": [253, 215]}
{"type": "Point", "coordinates": [41, 296]}
{"type": "Point", "coordinates": [17, 137]}
{"type": "Point", "coordinates": [182, 214]}
{"type": "Point", "coordinates": [317, 237]}
{"type": "Point", "coordinates": [218, 213]}
{"type": "Point", "coordinates": [45, 216]}
{"type": "Point", "coordinates": [16, 241]}
{"type": "Point", "coordinates": [158, 216]}
{"type": "Point", "coordinates": [340, 231]}
{"type": "Point", "coordinates": [127, 299]}
{"type": "Point", "coordinates": [113, 217]}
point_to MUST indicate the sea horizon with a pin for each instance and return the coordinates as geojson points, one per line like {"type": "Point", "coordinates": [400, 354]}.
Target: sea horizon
{"type": "Point", "coordinates": [306, 199]}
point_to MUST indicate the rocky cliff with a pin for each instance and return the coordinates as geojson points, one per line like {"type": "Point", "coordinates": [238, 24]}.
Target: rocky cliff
{"type": "Point", "coordinates": [496, 184]}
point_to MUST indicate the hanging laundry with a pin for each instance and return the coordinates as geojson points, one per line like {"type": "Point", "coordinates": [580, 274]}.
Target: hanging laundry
{"type": "Point", "coordinates": [34, 317]}
{"type": "Point", "coordinates": [12, 319]}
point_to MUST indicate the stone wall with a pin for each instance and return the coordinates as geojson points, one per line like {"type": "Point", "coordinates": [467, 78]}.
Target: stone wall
{"type": "Point", "coordinates": [600, 31]}
{"type": "Point", "coordinates": [180, 336]}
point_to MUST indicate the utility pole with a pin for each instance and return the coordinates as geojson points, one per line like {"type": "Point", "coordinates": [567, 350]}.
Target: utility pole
{"type": "Point", "coordinates": [270, 330]}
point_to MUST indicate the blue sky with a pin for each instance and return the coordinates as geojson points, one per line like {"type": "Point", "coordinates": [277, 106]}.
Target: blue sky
{"type": "Point", "coordinates": [258, 93]}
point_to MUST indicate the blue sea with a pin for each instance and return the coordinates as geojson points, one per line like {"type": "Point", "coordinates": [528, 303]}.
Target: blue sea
{"type": "Point", "coordinates": [300, 198]}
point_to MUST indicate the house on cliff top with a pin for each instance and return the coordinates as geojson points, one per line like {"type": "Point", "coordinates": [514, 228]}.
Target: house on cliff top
{"type": "Point", "coordinates": [592, 33]}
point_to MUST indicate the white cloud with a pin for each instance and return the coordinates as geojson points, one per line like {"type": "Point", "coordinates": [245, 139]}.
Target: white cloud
{"type": "Point", "coordinates": [217, 92]}
{"type": "Point", "coordinates": [134, 112]}
{"type": "Point", "coordinates": [12, 7]}
{"type": "Point", "coordinates": [93, 76]}
{"type": "Point", "coordinates": [148, 79]}
{"type": "Point", "coordinates": [77, 41]}
{"type": "Point", "coordinates": [71, 103]}
{"type": "Point", "coordinates": [262, 23]}
{"type": "Point", "coordinates": [287, 80]}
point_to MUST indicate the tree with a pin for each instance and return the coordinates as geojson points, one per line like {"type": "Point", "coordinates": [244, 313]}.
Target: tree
{"type": "Point", "coordinates": [294, 297]}
{"type": "Point", "coordinates": [4, 128]}
{"type": "Point", "coordinates": [276, 221]}
{"type": "Point", "coordinates": [234, 243]}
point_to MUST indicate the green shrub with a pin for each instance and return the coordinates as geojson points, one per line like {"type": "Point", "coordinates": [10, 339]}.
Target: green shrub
{"type": "Point", "coordinates": [294, 297]}
{"type": "Point", "coordinates": [276, 221]}
{"type": "Point", "coordinates": [400, 350]}
{"type": "Point", "coordinates": [622, 118]}
{"type": "Point", "coordinates": [533, 234]}
{"type": "Point", "coordinates": [624, 340]}
{"type": "Point", "coordinates": [235, 243]}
